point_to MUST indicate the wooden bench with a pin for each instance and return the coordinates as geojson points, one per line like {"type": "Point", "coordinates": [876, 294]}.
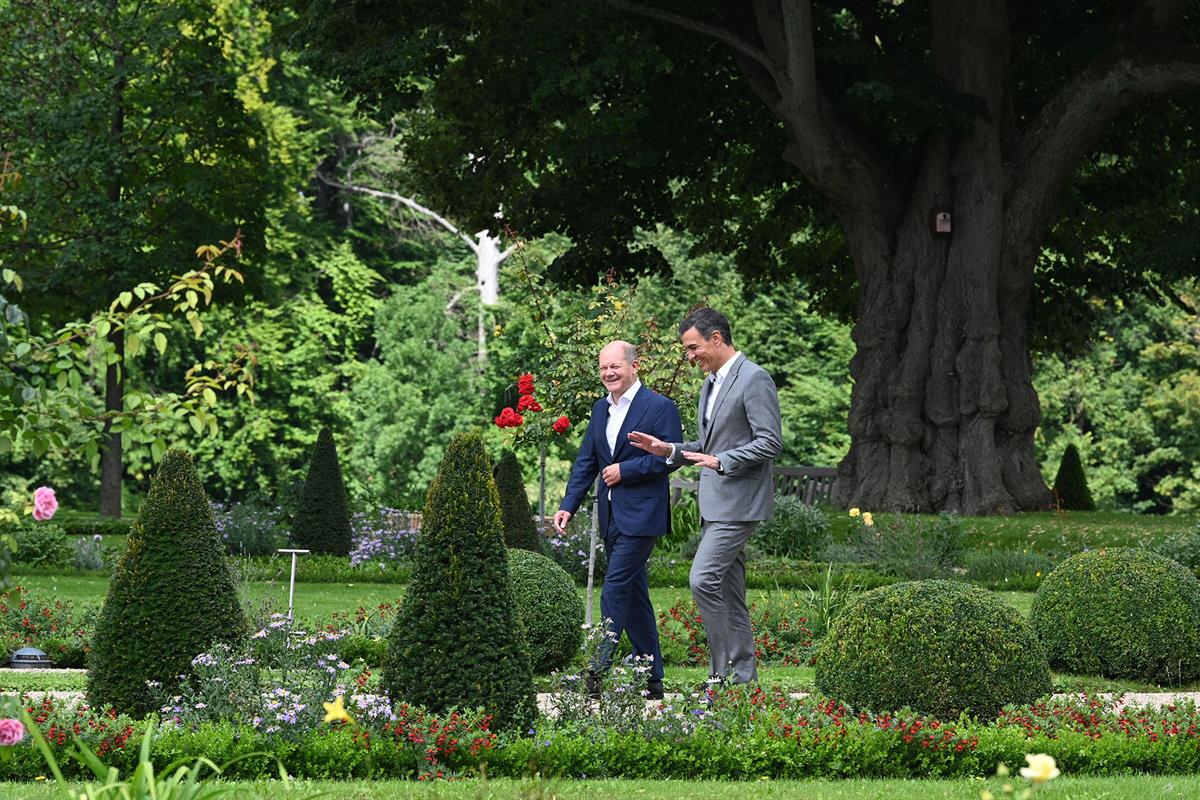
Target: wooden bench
{"type": "Point", "coordinates": [812, 485]}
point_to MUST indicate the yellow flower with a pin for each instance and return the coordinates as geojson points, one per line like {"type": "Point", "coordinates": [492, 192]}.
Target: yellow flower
{"type": "Point", "coordinates": [854, 512]}
{"type": "Point", "coordinates": [986, 795]}
{"type": "Point", "coordinates": [336, 711]}
{"type": "Point", "coordinates": [1041, 768]}
{"type": "Point", "coordinates": [868, 520]}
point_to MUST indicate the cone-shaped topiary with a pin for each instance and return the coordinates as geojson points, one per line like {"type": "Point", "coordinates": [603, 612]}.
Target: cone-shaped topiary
{"type": "Point", "coordinates": [1070, 485]}
{"type": "Point", "coordinates": [171, 595]}
{"type": "Point", "coordinates": [550, 609]}
{"type": "Point", "coordinates": [519, 530]}
{"type": "Point", "coordinates": [322, 522]}
{"type": "Point", "coordinates": [939, 647]}
{"type": "Point", "coordinates": [1122, 612]}
{"type": "Point", "coordinates": [456, 640]}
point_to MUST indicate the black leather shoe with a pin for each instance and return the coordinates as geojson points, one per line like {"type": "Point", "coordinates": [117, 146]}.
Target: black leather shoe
{"type": "Point", "coordinates": [654, 690]}
{"type": "Point", "coordinates": [591, 685]}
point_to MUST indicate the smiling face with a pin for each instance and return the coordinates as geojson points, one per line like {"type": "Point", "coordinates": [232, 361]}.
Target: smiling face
{"type": "Point", "coordinates": [617, 370]}
{"type": "Point", "coordinates": [708, 354]}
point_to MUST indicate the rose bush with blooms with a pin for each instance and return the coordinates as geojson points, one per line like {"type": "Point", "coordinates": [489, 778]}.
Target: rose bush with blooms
{"type": "Point", "coordinates": [45, 504]}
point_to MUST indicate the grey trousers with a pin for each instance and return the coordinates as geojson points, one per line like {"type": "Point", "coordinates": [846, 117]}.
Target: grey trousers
{"type": "Point", "coordinates": [718, 582]}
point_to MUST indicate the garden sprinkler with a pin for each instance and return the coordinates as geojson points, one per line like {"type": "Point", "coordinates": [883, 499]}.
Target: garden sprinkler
{"type": "Point", "coordinates": [292, 582]}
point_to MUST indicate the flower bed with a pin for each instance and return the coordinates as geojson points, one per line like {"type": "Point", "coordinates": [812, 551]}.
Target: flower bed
{"type": "Point", "coordinates": [745, 735]}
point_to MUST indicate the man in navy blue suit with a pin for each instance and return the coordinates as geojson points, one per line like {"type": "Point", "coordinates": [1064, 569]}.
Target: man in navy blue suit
{"type": "Point", "coordinates": [634, 503]}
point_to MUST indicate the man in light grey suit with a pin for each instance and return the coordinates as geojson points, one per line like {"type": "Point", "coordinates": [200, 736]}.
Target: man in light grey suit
{"type": "Point", "coordinates": [740, 436]}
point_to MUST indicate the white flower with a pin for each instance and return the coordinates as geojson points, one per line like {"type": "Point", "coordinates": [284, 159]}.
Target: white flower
{"type": "Point", "coordinates": [1041, 768]}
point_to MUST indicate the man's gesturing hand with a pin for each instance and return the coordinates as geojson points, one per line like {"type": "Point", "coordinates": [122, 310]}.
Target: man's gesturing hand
{"type": "Point", "coordinates": [702, 459]}
{"type": "Point", "coordinates": [561, 518]}
{"type": "Point", "coordinates": [650, 444]}
{"type": "Point", "coordinates": [611, 474]}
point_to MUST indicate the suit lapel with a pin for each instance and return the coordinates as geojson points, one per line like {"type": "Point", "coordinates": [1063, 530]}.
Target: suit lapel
{"type": "Point", "coordinates": [722, 396]}
{"type": "Point", "coordinates": [704, 389]}
{"type": "Point", "coordinates": [600, 416]}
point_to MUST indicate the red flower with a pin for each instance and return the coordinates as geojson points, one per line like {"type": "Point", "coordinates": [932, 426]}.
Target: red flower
{"type": "Point", "coordinates": [525, 383]}
{"type": "Point", "coordinates": [527, 403]}
{"type": "Point", "coordinates": [509, 419]}
{"type": "Point", "coordinates": [561, 424]}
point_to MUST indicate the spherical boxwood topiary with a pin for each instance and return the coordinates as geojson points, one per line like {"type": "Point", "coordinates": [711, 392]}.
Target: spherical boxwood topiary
{"type": "Point", "coordinates": [456, 640]}
{"type": "Point", "coordinates": [515, 516]}
{"type": "Point", "coordinates": [170, 598]}
{"type": "Point", "coordinates": [1121, 613]}
{"type": "Point", "coordinates": [939, 647]}
{"type": "Point", "coordinates": [549, 608]}
{"type": "Point", "coordinates": [322, 522]}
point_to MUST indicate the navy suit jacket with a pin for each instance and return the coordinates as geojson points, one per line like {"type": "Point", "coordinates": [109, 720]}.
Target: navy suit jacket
{"type": "Point", "coordinates": [641, 502]}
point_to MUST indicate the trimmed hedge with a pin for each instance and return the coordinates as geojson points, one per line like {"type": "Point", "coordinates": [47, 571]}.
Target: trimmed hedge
{"type": "Point", "coordinates": [939, 647]}
{"type": "Point", "coordinates": [515, 514]}
{"type": "Point", "coordinates": [1121, 613]}
{"type": "Point", "coordinates": [456, 641]}
{"type": "Point", "coordinates": [550, 609]}
{"type": "Point", "coordinates": [171, 595]}
{"type": "Point", "coordinates": [322, 522]}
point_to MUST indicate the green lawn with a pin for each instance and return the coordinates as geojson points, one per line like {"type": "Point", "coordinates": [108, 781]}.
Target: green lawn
{"type": "Point", "coordinates": [1064, 788]}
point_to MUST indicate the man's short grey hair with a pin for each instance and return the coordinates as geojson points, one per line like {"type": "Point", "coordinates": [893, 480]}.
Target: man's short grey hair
{"type": "Point", "coordinates": [628, 351]}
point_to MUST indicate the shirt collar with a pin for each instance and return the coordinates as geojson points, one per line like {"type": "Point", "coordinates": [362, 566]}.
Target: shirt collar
{"type": "Point", "coordinates": [723, 373]}
{"type": "Point", "coordinates": [627, 397]}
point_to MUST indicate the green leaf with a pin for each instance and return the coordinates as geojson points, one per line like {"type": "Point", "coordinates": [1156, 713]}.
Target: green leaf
{"type": "Point", "coordinates": [160, 343]}
{"type": "Point", "coordinates": [210, 397]}
{"type": "Point", "coordinates": [196, 424]}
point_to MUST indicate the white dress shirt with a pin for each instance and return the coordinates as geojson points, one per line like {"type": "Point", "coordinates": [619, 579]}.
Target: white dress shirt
{"type": "Point", "coordinates": [617, 411]}
{"type": "Point", "coordinates": [718, 378]}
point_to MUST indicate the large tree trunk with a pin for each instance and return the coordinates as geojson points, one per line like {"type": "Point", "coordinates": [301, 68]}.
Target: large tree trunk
{"type": "Point", "coordinates": [943, 410]}
{"type": "Point", "coordinates": [112, 467]}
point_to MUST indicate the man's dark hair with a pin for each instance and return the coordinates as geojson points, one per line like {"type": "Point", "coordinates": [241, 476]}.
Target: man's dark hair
{"type": "Point", "coordinates": [706, 320]}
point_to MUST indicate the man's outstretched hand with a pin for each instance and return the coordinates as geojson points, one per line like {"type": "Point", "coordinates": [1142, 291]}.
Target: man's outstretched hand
{"type": "Point", "coordinates": [651, 444]}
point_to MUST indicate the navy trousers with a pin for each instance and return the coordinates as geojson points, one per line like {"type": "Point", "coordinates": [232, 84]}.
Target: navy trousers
{"type": "Point", "coordinates": [625, 599]}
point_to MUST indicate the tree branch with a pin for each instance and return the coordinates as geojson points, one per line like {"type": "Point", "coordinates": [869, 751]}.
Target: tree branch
{"type": "Point", "coordinates": [406, 201]}
{"type": "Point", "coordinates": [1069, 125]}
{"type": "Point", "coordinates": [720, 34]}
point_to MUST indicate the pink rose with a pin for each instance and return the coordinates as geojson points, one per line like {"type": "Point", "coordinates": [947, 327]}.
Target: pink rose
{"type": "Point", "coordinates": [44, 503]}
{"type": "Point", "coordinates": [12, 731]}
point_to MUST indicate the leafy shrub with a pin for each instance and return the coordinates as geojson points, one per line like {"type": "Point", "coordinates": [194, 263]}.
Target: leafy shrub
{"type": "Point", "coordinates": [89, 553]}
{"type": "Point", "coordinates": [908, 545]}
{"type": "Point", "coordinates": [570, 550]}
{"type": "Point", "coordinates": [797, 530]}
{"type": "Point", "coordinates": [41, 544]}
{"type": "Point", "coordinates": [549, 608]}
{"type": "Point", "coordinates": [1121, 613]}
{"type": "Point", "coordinates": [1016, 569]}
{"type": "Point", "coordinates": [249, 529]}
{"type": "Point", "coordinates": [60, 629]}
{"type": "Point", "coordinates": [322, 522]}
{"type": "Point", "coordinates": [386, 537]}
{"type": "Point", "coordinates": [456, 641]}
{"type": "Point", "coordinates": [320, 569]}
{"type": "Point", "coordinates": [170, 597]}
{"type": "Point", "coordinates": [780, 626]}
{"type": "Point", "coordinates": [1070, 484]}
{"type": "Point", "coordinates": [939, 647]}
{"type": "Point", "coordinates": [1181, 546]}
{"type": "Point", "coordinates": [515, 514]}
{"type": "Point", "coordinates": [372, 650]}
{"type": "Point", "coordinates": [80, 523]}
{"type": "Point", "coordinates": [685, 522]}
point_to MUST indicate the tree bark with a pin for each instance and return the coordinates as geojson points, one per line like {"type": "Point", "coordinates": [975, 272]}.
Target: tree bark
{"type": "Point", "coordinates": [112, 466]}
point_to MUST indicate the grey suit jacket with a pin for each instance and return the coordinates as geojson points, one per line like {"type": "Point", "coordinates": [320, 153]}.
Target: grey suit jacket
{"type": "Point", "coordinates": [746, 435]}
